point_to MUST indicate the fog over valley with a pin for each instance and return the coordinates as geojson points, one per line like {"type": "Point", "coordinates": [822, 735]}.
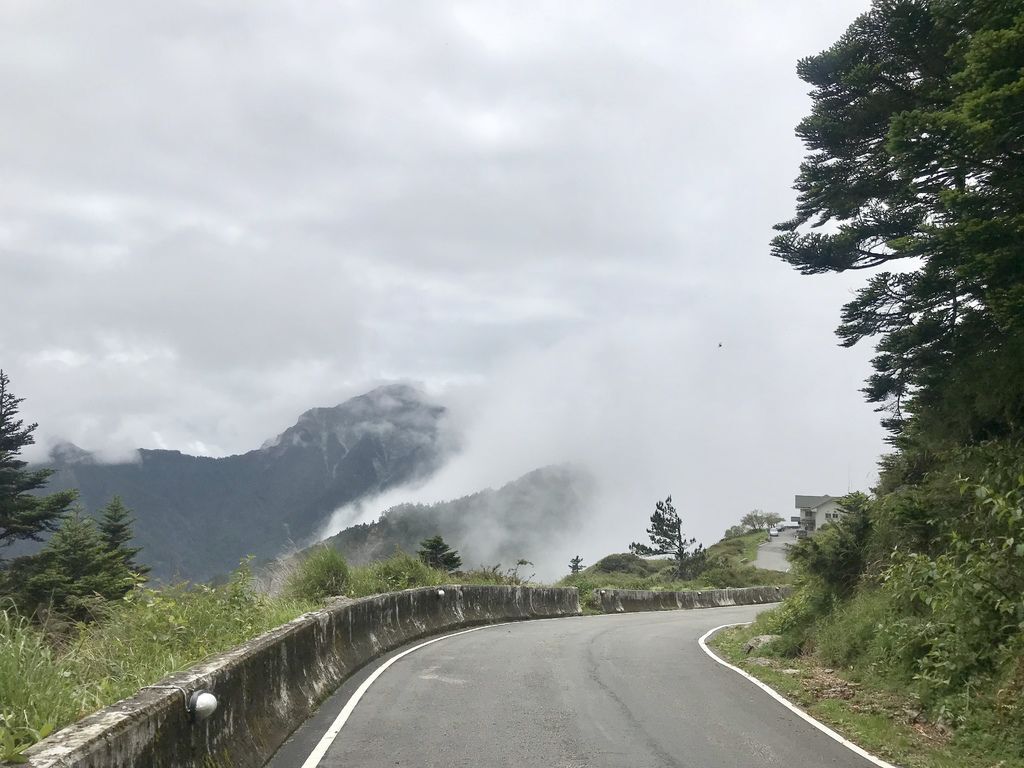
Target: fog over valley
{"type": "Point", "coordinates": [551, 221]}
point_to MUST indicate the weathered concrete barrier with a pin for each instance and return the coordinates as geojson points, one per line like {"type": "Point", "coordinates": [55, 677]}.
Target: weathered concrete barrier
{"type": "Point", "coordinates": [629, 600]}
{"type": "Point", "coordinates": [270, 685]}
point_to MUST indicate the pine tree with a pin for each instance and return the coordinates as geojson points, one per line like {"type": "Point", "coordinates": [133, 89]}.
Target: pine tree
{"type": "Point", "coordinates": [914, 171]}
{"type": "Point", "coordinates": [437, 554]}
{"type": "Point", "coordinates": [666, 534]}
{"type": "Point", "coordinates": [73, 573]}
{"type": "Point", "coordinates": [115, 528]}
{"type": "Point", "coordinates": [576, 564]}
{"type": "Point", "coordinates": [23, 515]}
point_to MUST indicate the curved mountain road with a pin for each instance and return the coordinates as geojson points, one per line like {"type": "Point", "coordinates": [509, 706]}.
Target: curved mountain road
{"type": "Point", "coordinates": [772, 555]}
{"type": "Point", "coordinates": [619, 690]}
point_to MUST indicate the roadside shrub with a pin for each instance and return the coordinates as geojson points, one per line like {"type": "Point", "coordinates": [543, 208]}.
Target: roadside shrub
{"type": "Point", "coordinates": [1008, 705]}
{"type": "Point", "coordinates": [321, 574]}
{"type": "Point", "coordinates": [795, 618]}
{"type": "Point", "coordinates": [836, 555]}
{"type": "Point", "coordinates": [964, 607]}
{"type": "Point", "coordinates": [729, 573]}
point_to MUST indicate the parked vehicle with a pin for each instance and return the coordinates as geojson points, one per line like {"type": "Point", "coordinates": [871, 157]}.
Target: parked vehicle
{"type": "Point", "coordinates": [773, 531]}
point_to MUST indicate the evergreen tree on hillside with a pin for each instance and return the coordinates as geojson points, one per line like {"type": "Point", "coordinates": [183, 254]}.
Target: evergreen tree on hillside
{"type": "Point", "coordinates": [437, 554]}
{"type": "Point", "coordinates": [115, 528]}
{"type": "Point", "coordinates": [576, 564]}
{"type": "Point", "coordinates": [667, 538]}
{"type": "Point", "coordinates": [23, 515]}
{"type": "Point", "coordinates": [73, 573]}
{"type": "Point", "coordinates": [916, 159]}
{"type": "Point", "coordinates": [915, 171]}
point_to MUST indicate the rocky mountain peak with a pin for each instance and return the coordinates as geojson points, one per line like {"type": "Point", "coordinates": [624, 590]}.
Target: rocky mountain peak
{"type": "Point", "coordinates": [69, 453]}
{"type": "Point", "coordinates": [391, 412]}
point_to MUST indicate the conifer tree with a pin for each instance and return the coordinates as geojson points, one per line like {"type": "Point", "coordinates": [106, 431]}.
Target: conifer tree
{"type": "Point", "coordinates": [576, 564]}
{"type": "Point", "coordinates": [437, 554]}
{"type": "Point", "coordinates": [666, 534]}
{"type": "Point", "coordinates": [115, 528]}
{"type": "Point", "coordinates": [73, 573]}
{"type": "Point", "coordinates": [23, 515]}
{"type": "Point", "coordinates": [913, 173]}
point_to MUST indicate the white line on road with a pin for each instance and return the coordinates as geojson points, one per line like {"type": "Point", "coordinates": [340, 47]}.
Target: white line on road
{"type": "Point", "coordinates": [332, 733]}
{"type": "Point", "coordinates": [783, 700]}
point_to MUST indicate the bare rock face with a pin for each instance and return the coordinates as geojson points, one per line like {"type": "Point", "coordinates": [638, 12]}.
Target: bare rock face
{"type": "Point", "coordinates": [757, 642]}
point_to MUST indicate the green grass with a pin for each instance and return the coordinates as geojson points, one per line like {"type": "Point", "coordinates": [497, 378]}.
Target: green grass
{"type": "Point", "coordinates": [35, 693]}
{"type": "Point", "coordinates": [400, 571]}
{"type": "Point", "coordinates": [862, 708]}
{"type": "Point", "coordinates": [730, 567]}
{"type": "Point", "coordinates": [321, 573]}
{"type": "Point", "coordinates": [742, 549]}
{"type": "Point", "coordinates": [51, 676]}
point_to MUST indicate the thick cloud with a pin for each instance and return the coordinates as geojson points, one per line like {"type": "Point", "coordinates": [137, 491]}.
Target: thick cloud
{"type": "Point", "coordinates": [219, 215]}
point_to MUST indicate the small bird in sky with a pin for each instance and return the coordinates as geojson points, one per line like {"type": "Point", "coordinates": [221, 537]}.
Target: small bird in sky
{"type": "Point", "coordinates": [719, 345]}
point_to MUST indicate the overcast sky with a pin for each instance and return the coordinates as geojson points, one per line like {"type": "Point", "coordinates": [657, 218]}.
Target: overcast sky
{"type": "Point", "coordinates": [217, 215]}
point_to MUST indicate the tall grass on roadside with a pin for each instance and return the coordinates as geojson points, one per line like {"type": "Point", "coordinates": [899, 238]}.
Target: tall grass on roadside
{"type": "Point", "coordinates": [494, 575]}
{"type": "Point", "coordinates": [51, 676]}
{"type": "Point", "coordinates": [153, 632]}
{"type": "Point", "coordinates": [400, 571]}
{"type": "Point", "coordinates": [321, 574]}
{"type": "Point", "coordinates": [35, 695]}
{"type": "Point", "coordinates": [47, 682]}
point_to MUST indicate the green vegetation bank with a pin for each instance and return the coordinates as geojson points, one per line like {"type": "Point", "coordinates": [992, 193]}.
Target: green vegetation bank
{"type": "Point", "coordinates": [915, 173]}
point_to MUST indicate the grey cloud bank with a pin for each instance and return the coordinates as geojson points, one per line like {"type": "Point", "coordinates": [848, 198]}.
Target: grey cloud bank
{"type": "Point", "coordinates": [218, 216]}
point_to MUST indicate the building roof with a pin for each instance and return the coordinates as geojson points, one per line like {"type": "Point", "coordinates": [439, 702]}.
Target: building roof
{"type": "Point", "coordinates": [812, 502]}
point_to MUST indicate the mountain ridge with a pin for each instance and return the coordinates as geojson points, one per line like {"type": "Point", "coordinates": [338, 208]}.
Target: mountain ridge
{"type": "Point", "coordinates": [531, 517]}
{"type": "Point", "coordinates": [197, 516]}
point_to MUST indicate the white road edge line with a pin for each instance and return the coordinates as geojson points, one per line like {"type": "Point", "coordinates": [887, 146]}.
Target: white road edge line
{"type": "Point", "coordinates": [702, 642]}
{"type": "Point", "coordinates": [339, 722]}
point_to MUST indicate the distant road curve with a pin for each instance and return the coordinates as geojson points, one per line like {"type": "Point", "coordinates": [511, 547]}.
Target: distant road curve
{"type": "Point", "coordinates": [622, 691]}
{"type": "Point", "coordinates": [772, 554]}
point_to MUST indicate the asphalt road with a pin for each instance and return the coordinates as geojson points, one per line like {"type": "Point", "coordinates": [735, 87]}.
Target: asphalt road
{"type": "Point", "coordinates": [626, 690]}
{"type": "Point", "coordinates": [772, 555]}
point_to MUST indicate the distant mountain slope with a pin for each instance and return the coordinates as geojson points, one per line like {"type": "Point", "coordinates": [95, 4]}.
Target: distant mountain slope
{"type": "Point", "coordinates": [532, 517]}
{"type": "Point", "coordinates": [197, 516]}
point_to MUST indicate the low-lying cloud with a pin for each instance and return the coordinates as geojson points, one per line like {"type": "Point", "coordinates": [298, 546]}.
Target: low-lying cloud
{"type": "Point", "coordinates": [555, 216]}
{"type": "Point", "coordinates": [725, 423]}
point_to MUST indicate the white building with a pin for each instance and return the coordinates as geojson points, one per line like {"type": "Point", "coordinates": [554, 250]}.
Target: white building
{"type": "Point", "coordinates": [815, 511]}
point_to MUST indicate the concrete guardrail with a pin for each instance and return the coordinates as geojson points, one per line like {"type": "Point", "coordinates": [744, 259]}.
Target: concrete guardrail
{"type": "Point", "coordinates": [268, 686]}
{"type": "Point", "coordinates": [630, 600]}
